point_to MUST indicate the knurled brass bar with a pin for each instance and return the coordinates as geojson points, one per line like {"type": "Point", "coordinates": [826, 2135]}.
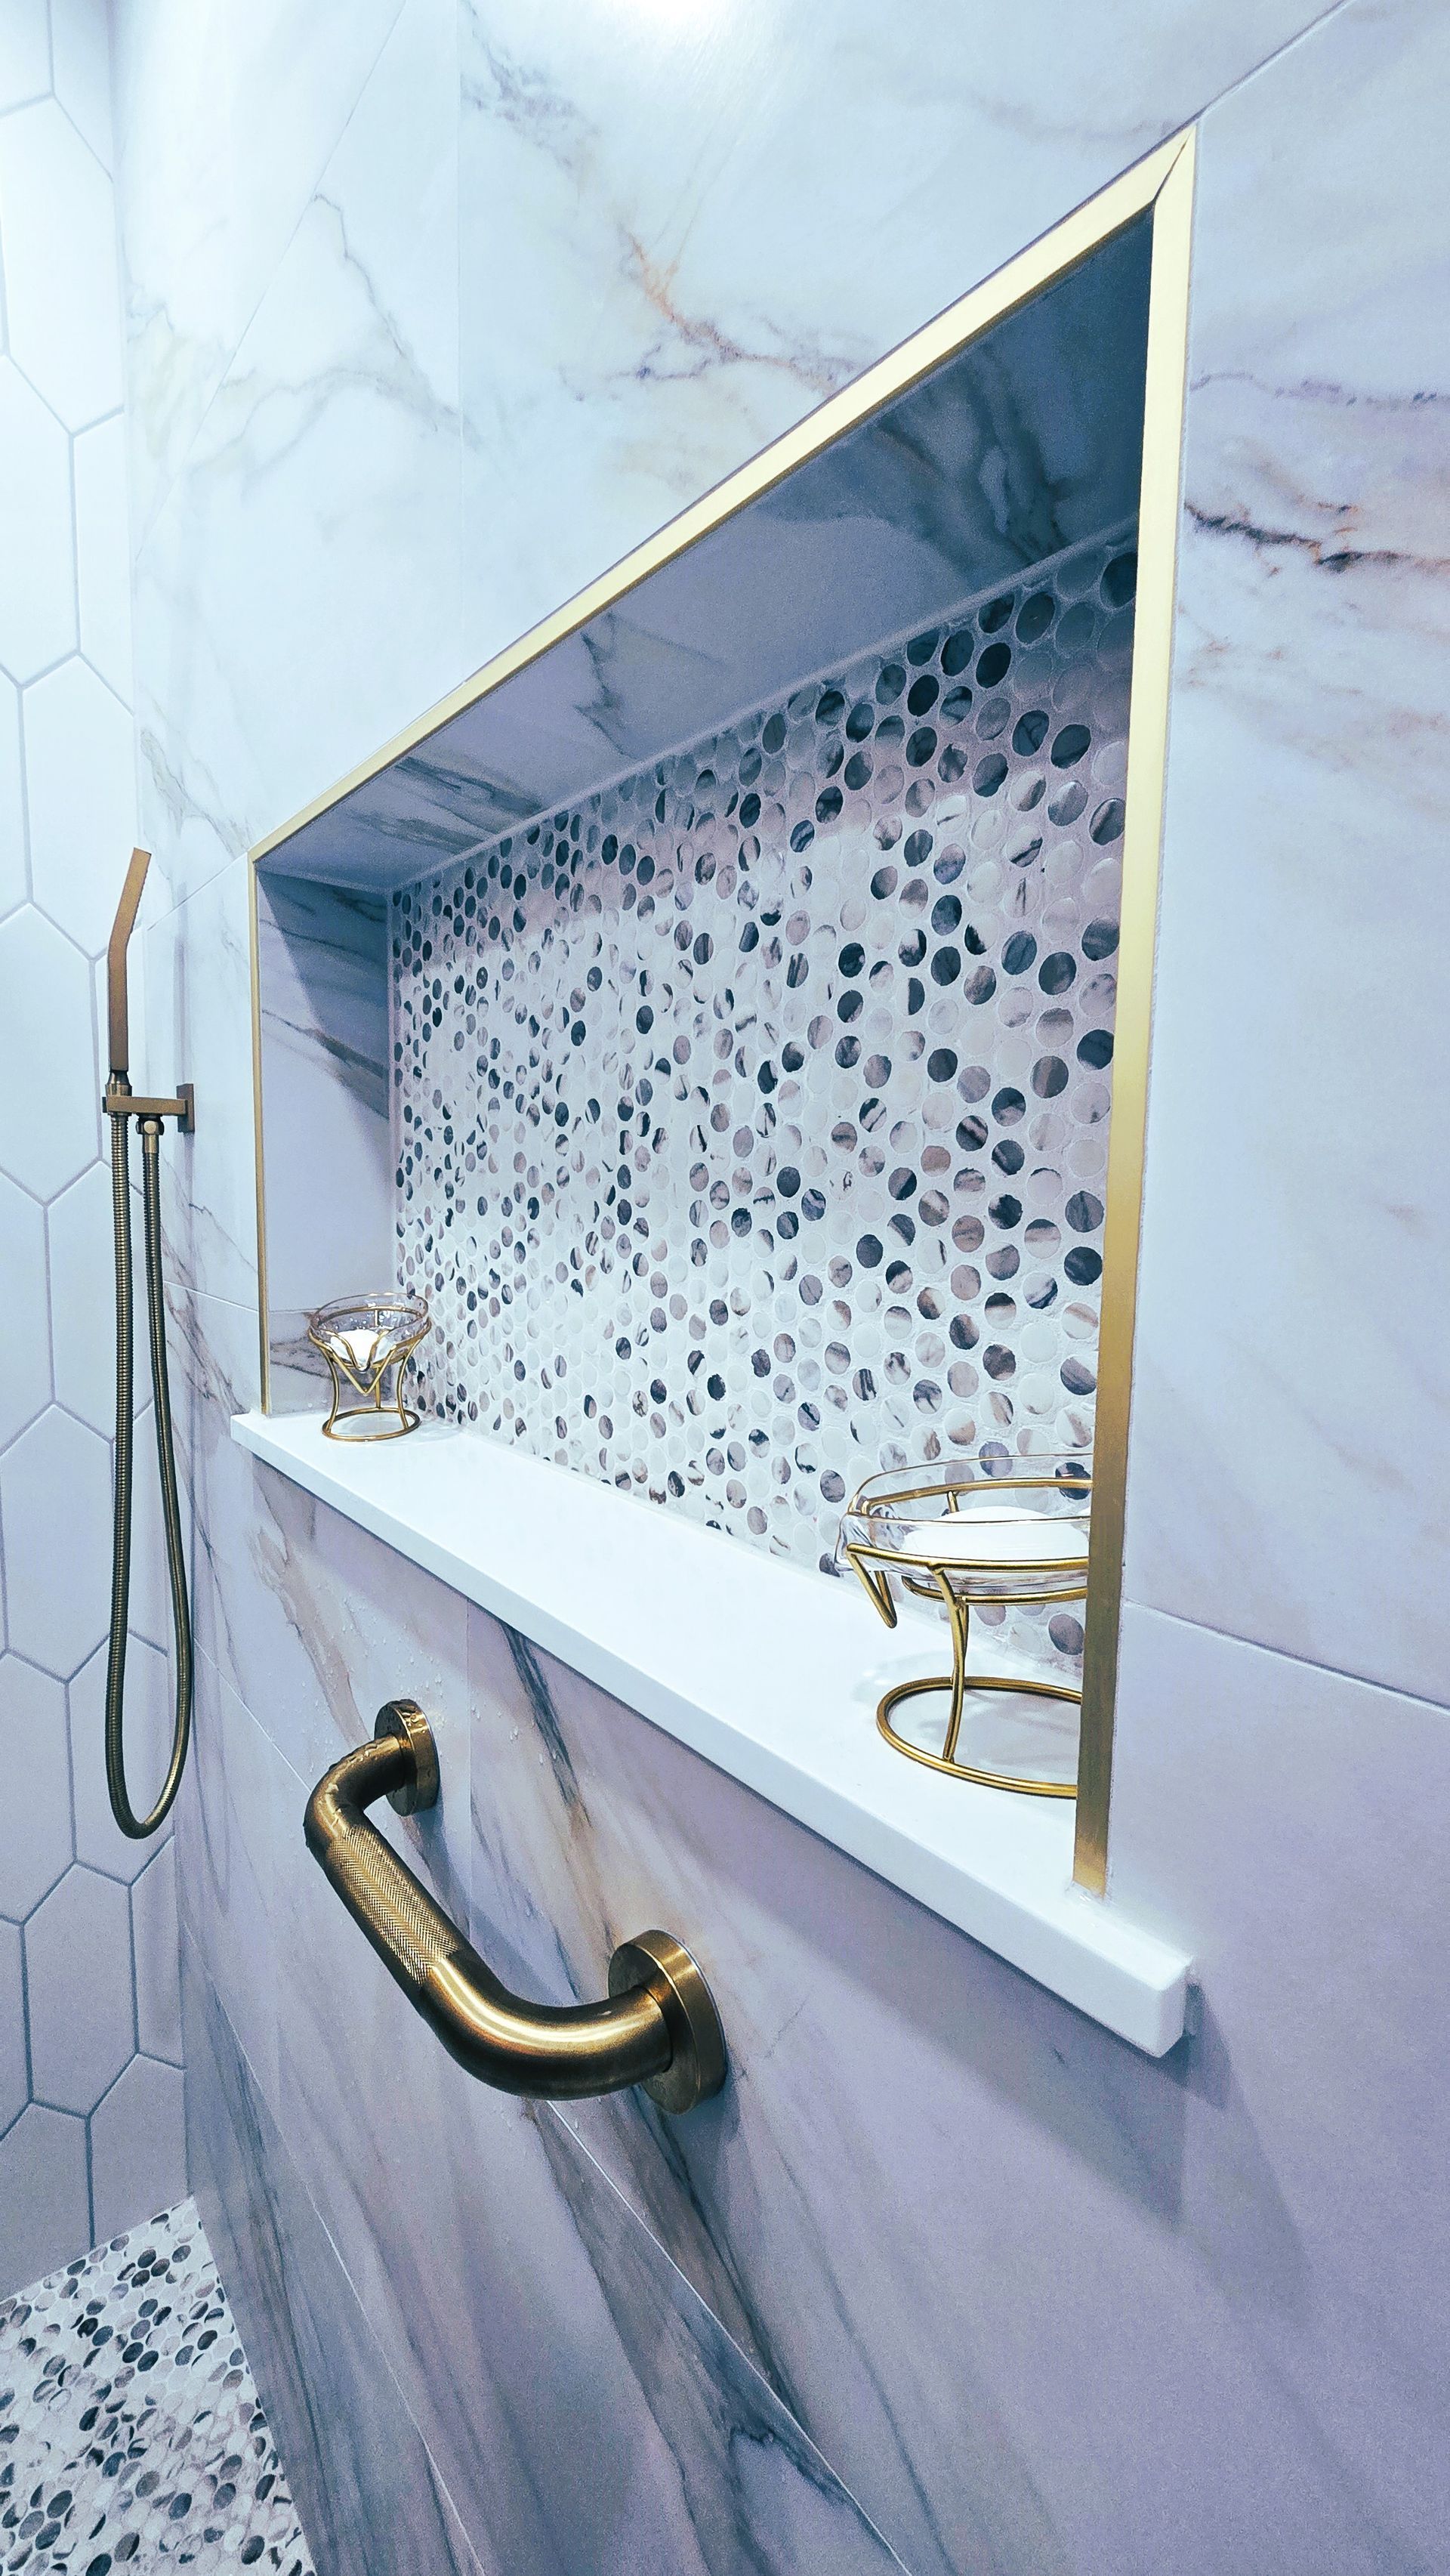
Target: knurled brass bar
{"type": "Point", "coordinates": [660, 2031]}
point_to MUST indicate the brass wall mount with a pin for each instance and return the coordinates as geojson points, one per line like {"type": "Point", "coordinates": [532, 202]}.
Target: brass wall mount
{"type": "Point", "coordinates": [659, 2027]}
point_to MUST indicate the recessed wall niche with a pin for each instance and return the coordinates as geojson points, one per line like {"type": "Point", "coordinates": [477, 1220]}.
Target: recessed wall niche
{"type": "Point", "coordinates": [711, 1008]}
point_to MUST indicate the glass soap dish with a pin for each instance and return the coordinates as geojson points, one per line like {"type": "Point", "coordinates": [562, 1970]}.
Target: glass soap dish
{"type": "Point", "coordinates": [361, 1339]}
{"type": "Point", "coordinates": [993, 1533]}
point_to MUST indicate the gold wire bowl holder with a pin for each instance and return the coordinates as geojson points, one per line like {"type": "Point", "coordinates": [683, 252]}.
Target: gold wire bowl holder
{"type": "Point", "coordinates": [362, 1339]}
{"type": "Point", "coordinates": [1012, 1534]}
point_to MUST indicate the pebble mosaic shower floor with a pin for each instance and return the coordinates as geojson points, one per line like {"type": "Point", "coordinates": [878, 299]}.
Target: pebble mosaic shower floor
{"type": "Point", "coordinates": [130, 2431]}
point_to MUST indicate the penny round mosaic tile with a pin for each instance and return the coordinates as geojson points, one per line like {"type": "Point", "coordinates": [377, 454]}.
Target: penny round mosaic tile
{"type": "Point", "coordinates": [130, 2431]}
{"type": "Point", "coordinates": [751, 1115]}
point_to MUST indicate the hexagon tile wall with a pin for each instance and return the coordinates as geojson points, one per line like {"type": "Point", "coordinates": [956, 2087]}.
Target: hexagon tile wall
{"type": "Point", "coordinates": [90, 2089]}
{"type": "Point", "coordinates": [752, 1118]}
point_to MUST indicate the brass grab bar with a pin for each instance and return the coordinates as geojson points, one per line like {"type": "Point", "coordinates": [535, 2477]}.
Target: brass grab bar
{"type": "Point", "coordinates": [659, 2027]}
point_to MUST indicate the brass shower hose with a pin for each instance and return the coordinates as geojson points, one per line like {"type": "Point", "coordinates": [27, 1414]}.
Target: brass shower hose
{"type": "Point", "coordinates": [138, 1827]}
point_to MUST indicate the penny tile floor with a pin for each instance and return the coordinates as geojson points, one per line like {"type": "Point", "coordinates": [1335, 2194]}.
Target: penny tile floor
{"type": "Point", "coordinates": [130, 2430]}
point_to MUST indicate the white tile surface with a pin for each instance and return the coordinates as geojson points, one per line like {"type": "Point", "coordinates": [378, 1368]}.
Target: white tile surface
{"type": "Point", "coordinates": [83, 1322]}
{"type": "Point", "coordinates": [60, 252]}
{"type": "Point", "coordinates": [679, 235]}
{"type": "Point", "coordinates": [138, 2147]}
{"type": "Point", "coordinates": [56, 1476]}
{"type": "Point", "coordinates": [25, 1344]}
{"type": "Point", "coordinates": [196, 92]}
{"type": "Point", "coordinates": [154, 1936]}
{"type": "Point", "coordinates": [81, 789]}
{"type": "Point", "coordinates": [148, 1711]}
{"type": "Point", "coordinates": [12, 804]}
{"type": "Point", "coordinates": [37, 603]}
{"type": "Point", "coordinates": [45, 2202]}
{"type": "Point", "coordinates": [198, 1030]}
{"type": "Point", "coordinates": [345, 383]}
{"type": "Point", "coordinates": [78, 1981]}
{"type": "Point", "coordinates": [1292, 1377]}
{"type": "Point", "coordinates": [770, 1673]}
{"type": "Point", "coordinates": [24, 52]}
{"type": "Point", "coordinates": [81, 50]}
{"type": "Point", "coordinates": [1308, 1867]}
{"type": "Point", "coordinates": [47, 1020]}
{"type": "Point", "coordinates": [14, 2074]}
{"type": "Point", "coordinates": [103, 559]}
{"type": "Point", "coordinates": [230, 1835]}
{"type": "Point", "coordinates": [35, 1830]}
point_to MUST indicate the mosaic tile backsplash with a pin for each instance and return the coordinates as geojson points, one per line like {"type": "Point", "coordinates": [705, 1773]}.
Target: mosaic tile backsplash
{"type": "Point", "coordinates": [751, 1117]}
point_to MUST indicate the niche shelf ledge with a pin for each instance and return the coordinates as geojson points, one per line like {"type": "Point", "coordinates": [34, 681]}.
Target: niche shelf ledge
{"type": "Point", "coordinates": [769, 1672]}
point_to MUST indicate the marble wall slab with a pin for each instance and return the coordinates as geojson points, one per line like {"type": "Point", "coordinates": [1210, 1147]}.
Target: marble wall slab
{"type": "Point", "coordinates": [322, 968]}
{"type": "Point", "coordinates": [368, 2492]}
{"type": "Point", "coordinates": [711, 227]}
{"type": "Point", "coordinates": [1040, 2305]}
{"type": "Point", "coordinates": [1292, 1384]}
{"type": "Point", "coordinates": [585, 2406]}
{"type": "Point", "coordinates": [278, 640]}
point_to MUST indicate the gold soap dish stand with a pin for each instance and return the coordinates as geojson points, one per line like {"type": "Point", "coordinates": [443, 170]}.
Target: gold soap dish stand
{"type": "Point", "coordinates": [363, 1339]}
{"type": "Point", "coordinates": [1009, 1533]}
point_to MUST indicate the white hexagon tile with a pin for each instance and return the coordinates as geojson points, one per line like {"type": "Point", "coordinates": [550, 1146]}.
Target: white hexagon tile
{"type": "Point", "coordinates": [91, 2132]}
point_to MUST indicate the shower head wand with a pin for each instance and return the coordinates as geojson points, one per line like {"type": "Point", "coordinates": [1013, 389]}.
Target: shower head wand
{"type": "Point", "coordinates": [121, 1104]}
{"type": "Point", "coordinates": [121, 929]}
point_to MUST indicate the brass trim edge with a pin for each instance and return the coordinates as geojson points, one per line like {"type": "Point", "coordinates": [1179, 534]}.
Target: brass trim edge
{"type": "Point", "coordinates": [1158, 524]}
{"type": "Point", "coordinates": [264, 1303]}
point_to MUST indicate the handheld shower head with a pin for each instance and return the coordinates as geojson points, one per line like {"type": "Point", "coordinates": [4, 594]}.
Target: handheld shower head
{"type": "Point", "coordinates": [121, 929]}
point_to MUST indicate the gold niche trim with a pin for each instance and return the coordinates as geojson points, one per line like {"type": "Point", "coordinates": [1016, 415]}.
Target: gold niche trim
{"type": "Point", "coordinates": [1161, 184]}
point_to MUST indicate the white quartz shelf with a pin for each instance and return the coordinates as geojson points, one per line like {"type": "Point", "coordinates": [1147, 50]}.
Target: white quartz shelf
{"type": "Point", "coordinates": [770, 1672]}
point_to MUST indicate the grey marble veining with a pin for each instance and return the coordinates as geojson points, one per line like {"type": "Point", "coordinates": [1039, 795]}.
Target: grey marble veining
{"type": "Point", "coordinates": [327, 1153]}
{"type": "Point", "coordinates": [1298, 1374]}
{"type": "Point", "coordinates": [930, 2190]}
{"type": "Point", "coordinates": [965, 482]}
{"type": "Point", "coordinates": [585, 2406]}
{"type": "Point", "coordinates": [1041, 2307]}
{"type": "Point", "coordinates": [368, 2491]}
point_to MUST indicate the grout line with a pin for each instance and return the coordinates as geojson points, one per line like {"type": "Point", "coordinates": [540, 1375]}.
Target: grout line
{"type": "Point", "coordinates": [1287, 1655]}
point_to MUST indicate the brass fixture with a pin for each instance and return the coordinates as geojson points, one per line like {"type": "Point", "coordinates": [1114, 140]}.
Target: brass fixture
{"type": "Point", "coordinates": [972, 1535]}
{"type": "Point", "coordinates": [659, 2027]}
{"type": "Point", "coordinates": [361, 1338]}
{"type": "Point", "coordinates": [120, 1103]}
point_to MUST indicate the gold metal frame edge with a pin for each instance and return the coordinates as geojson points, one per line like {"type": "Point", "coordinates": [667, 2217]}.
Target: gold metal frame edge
{"type": "Point", "coordinates": [1162, 182]}
{"type": "Point", "coordinates": [1158, 524]}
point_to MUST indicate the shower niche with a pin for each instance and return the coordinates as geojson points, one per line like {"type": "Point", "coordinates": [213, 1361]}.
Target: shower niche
{"type": "Point", "coordinates": [711, 1011]}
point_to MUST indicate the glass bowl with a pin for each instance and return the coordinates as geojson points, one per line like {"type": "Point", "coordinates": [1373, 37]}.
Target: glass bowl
{"type": "Point", "coordinates": [361, 1339]}
{"type": "Point", "coordinates": [990, 1532]}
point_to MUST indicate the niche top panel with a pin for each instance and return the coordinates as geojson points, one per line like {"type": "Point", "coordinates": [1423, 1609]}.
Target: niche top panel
{"type": "Point", "coordinates": [1024, 444]}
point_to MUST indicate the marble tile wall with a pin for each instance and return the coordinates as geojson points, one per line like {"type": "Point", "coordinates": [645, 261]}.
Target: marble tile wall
{"type": "Point", "coordinates": [90, 2088]}
{"type": "Point", "coordinates": [946, 2272]}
